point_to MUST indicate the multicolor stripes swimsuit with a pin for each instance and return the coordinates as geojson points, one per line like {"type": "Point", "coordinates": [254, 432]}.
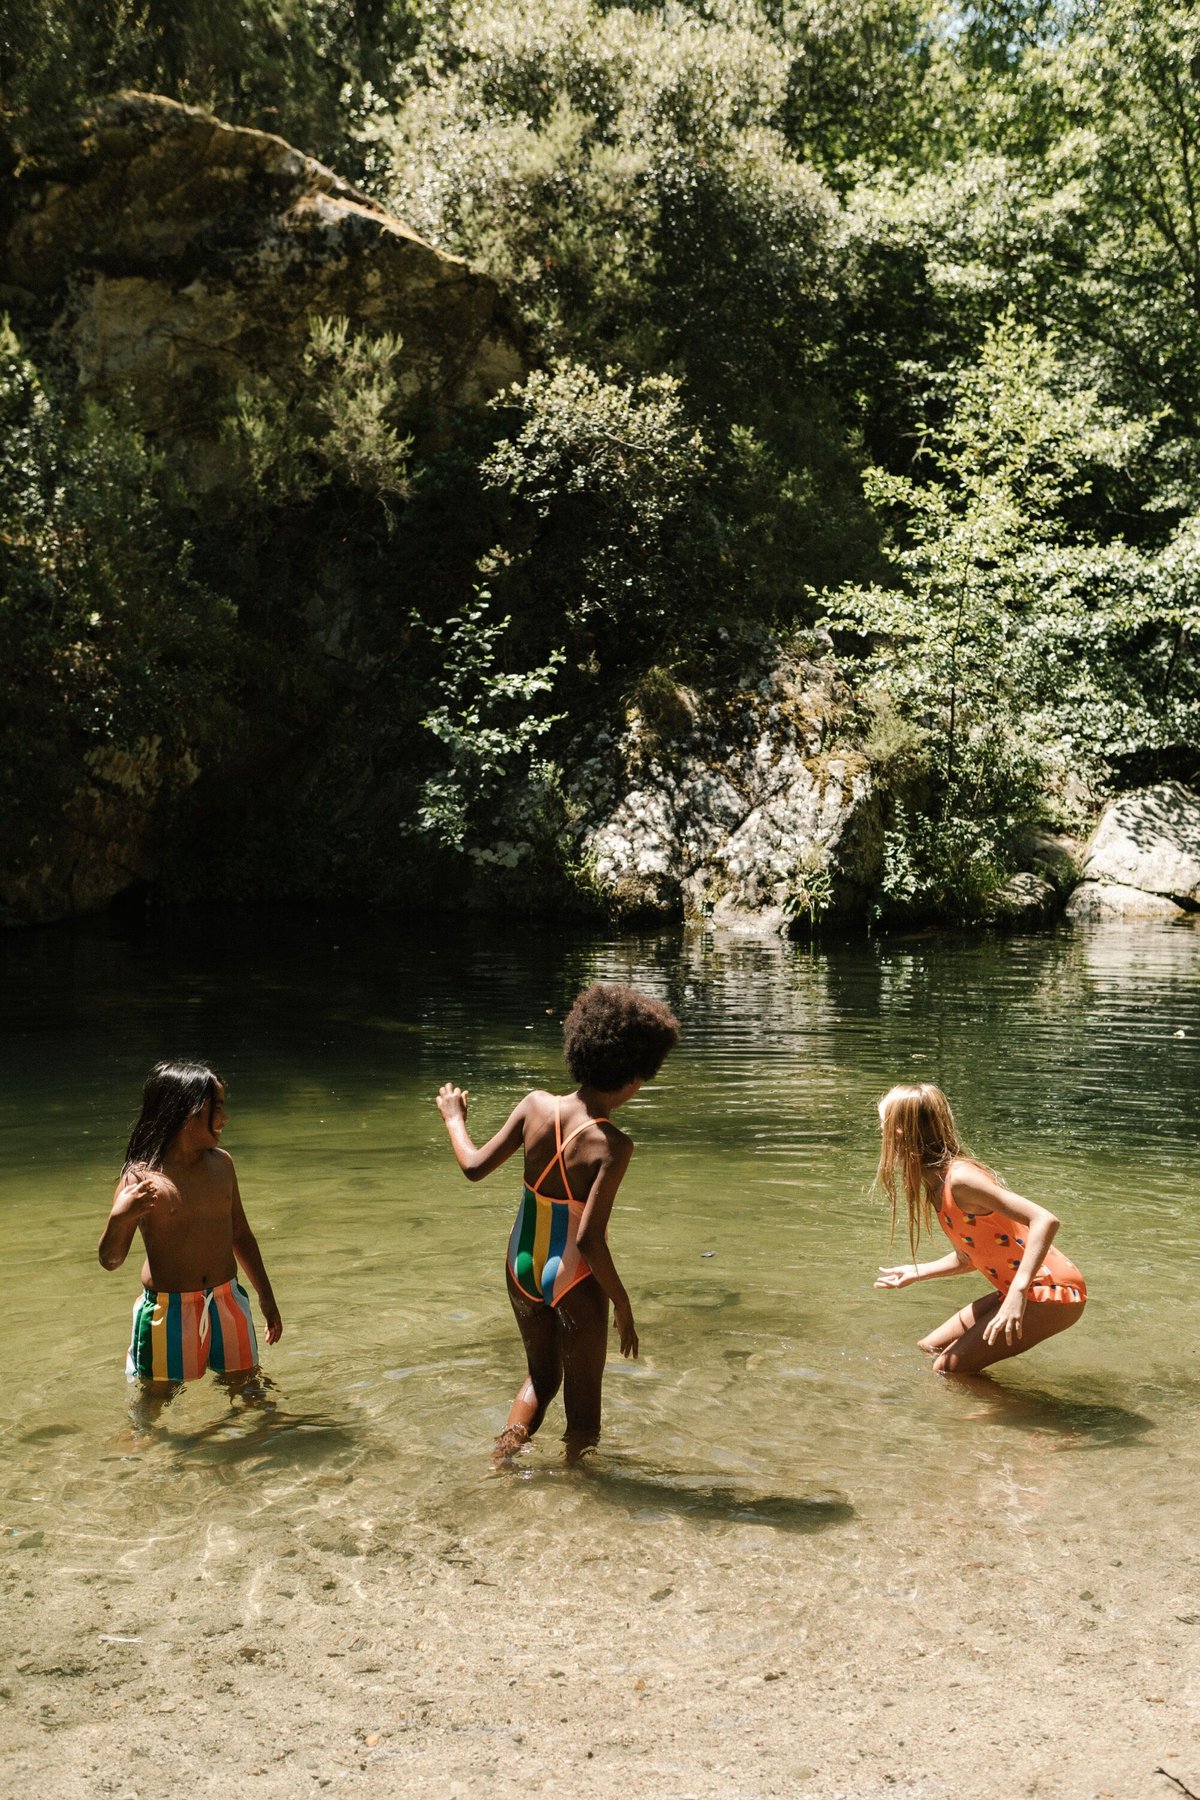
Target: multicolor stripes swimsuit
{"type": "Point", "coordinates": [543, 1257]}
{"type": "Point", "coordinates": [176, 1337]}
{"type": "Point", "coordinates": [995, 1245]}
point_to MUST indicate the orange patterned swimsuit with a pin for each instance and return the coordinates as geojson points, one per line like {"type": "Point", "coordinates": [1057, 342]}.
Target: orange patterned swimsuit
{"type": "Point", "coordinates": [995, 1244]}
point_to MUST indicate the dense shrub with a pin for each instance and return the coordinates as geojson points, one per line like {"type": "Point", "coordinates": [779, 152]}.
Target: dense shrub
{"type": "Point", "coordinates": [107, 638]}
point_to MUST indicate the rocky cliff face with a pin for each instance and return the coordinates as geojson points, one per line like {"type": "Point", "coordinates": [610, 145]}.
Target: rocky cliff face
{"type": "Point", "coordinates": [174, 257]}
{"type": "Point", "coordinates": [171, 258]}
{"type": "Point", "coordinates": [743, 808]}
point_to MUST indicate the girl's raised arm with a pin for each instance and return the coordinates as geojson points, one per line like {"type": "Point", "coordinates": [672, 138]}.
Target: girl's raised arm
{"type": "Point", "coordinates": [476, 1163]}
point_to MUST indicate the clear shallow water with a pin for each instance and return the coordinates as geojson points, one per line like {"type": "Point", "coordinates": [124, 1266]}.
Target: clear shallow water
{"type": "Point", "coordinates": [776, 1389]}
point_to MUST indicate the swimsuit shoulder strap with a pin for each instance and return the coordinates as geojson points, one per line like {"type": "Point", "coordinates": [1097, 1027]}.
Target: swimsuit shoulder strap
{"type": "Point", "coordinates": [572, 1135]}
{"type": "Point", "coordinates": [560, 1144]}
{"type": "Point", "coordinates": [569, 1139]}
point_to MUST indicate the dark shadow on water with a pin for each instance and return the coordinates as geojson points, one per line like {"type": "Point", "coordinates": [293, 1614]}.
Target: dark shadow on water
{"type": "Point", "coordinates": [269, 1437]}
{"type": "Point", "coordinates": [1081, 1424]}
{"type": "Point", "coordinates": [654, 1496]}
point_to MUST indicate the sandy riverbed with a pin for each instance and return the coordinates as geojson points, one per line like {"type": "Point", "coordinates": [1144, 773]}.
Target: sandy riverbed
{"type": "Point", "coordinates": [584, 1636]}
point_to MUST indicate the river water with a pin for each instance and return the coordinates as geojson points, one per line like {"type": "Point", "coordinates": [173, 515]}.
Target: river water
{"type": "Point", "coordinates": [779, 1400]}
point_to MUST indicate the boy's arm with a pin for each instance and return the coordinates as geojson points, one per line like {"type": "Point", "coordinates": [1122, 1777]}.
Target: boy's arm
{"type": "Point", "coordinates": [476, 1163]}
{"type": "Point", "coordinates": [245, 1248]}
{"type": "Point", "coordinates": [135, 1196]}
{"type": "Point", "coordinates": [593, 1243]}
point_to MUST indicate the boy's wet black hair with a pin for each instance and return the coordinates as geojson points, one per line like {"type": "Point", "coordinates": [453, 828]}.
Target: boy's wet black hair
{"type": "Point", "coordinates": [174, 1093]}
{"type": "Point", "coordinates": [614, 1035]}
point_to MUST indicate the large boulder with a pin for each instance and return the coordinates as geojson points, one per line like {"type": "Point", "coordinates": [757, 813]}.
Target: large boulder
{"type": "Point", "coordinates": [739, 808]}
{"type": "Point", "coordinates": [1143, 859]}
{"type": "Point", "coordinates": [175, 257]}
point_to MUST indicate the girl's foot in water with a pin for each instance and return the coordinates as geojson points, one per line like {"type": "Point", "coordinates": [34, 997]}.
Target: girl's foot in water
{"type": "Point", "coordinates": [510, 1443]}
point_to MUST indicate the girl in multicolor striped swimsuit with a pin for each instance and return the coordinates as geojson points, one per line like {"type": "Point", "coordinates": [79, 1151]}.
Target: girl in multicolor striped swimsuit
{"type": "Point", "coordinates": [1036, 1291]}
{"type": "Point", "coordinates": [560, 1272]}
{"type": "Point", "coordinates": [178, 1187]}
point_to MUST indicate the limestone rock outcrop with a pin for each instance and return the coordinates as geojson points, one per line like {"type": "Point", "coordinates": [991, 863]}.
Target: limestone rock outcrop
{"type": "Point", "coordinates": [175, 257]}
{"type": "Point", "coordinates": [1143, 859]}
{"type": "Point", "coordinates": [743, 811]}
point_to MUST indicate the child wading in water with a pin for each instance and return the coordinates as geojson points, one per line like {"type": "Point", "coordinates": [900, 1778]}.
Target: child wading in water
{"type": "Point", "coordinates": [1008, 1239]}
{"type": "Point", "coordinates": [560, 1273]}
{"type": "Point", "coordinates": [179, 1188]}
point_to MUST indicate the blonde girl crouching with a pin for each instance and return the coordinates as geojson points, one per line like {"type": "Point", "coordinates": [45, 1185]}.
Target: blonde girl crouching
{"type": "Point", "coordinates": [1035, 1291]}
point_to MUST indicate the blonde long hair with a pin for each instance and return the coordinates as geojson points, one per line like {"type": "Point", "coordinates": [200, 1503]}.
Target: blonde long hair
{"type": "Point", "coordinates": [920, 1139]}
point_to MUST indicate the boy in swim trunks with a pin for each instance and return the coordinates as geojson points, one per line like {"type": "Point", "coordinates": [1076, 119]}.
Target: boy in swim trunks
{"type": "Point", "coordinates": [179, 1188]}
{"type": "Point", "coordinates": [560, 1272]}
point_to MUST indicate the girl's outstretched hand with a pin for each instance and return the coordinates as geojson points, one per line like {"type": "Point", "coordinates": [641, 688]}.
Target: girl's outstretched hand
{"type": "Point", "coordinates": [452, 1101]}
{"type": "Point", "coordinates": [1005, 1322]}
{"type": "Point", "coordinates": [904, 1276]}
{"type": "Point", "coordinates": [624, 1327]}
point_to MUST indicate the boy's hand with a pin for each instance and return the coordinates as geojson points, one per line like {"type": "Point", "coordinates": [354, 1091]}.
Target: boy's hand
{"type": "Point", "coordinates": [273, 1323]}
{"type": "Point", "coordinates": [452, 1102]}
{"type": "Point", "coordinates": [624, 1327]}
{"type": "Point", "coordinates": [142, 1191]}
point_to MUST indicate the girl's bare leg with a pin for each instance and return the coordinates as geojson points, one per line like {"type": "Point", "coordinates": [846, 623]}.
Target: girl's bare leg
{"type": "Point", "coordinates": [1043, 1319]}
{"type": "Point", "coordinates": [540, 1335]}
{"type": "Point", "coordinates": [584, 1316]}
{"type": "Point", "coordinates": [978, 1312]}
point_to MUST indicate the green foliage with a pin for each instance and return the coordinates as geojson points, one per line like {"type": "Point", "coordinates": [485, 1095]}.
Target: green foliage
{"type": "Point", "coordinates": [488, 723]}
{"type": "Point", "coordinates": [1019, 648]}
{"type": "Point", "coordinates": [866, 79]}
{"type": "Point", "coordinates": [303, 68]}
{"type": "Point", "coordinates": [340, 428]}
{"type": "Point", "coordinates": [606, 476]}
{"type": "Point", "coordinates": [106, 636]}
{"type": "Point", "coordinates": [622, 173]}
{"type": "Point", "coordinates": [893, 303]}
{"type": "Point", "coordinates": [809, 892]}
{"type": "Point", "coordinates": [948, 846]}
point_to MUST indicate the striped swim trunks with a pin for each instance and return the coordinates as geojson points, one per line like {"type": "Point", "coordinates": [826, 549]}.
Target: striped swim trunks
{"type": "Point", "coordinates": [176, 1337]}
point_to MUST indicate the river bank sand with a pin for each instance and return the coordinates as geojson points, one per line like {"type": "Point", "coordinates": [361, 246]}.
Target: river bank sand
{"type": "Point", "coordinates": [602, 1636]}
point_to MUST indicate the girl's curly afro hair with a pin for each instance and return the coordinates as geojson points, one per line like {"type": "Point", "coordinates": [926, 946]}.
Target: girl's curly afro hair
{"type": "Point", "coordinates": [614, 1035]}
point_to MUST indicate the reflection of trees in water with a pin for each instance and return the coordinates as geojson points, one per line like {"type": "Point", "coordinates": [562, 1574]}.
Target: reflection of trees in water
{"type": "Point", "coordinates": [1063, 1039]}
